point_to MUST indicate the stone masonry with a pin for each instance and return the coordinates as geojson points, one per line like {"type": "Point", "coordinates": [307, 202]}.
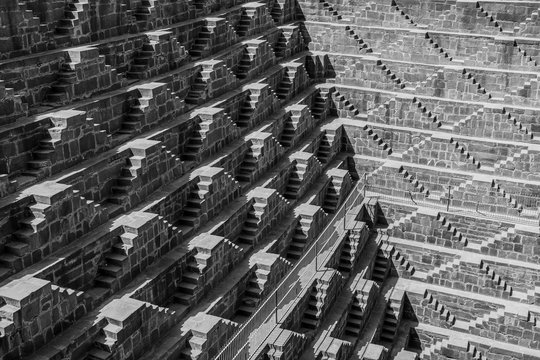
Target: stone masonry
{"type": "Point", "coordinates": [280, 179]}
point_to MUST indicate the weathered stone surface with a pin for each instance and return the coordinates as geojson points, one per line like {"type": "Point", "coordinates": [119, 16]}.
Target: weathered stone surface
{"type": "Point", "coordinates": [345, 179]}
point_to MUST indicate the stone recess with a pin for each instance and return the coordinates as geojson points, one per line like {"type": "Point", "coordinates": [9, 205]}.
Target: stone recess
{"type": "Point", "coordinates": [280, 179]}
{"type": "Point", "coordinates": [84, 74]}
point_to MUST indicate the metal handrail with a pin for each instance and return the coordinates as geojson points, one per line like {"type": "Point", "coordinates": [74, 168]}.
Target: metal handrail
{"type": "Point", "coordinates": [236, 347]}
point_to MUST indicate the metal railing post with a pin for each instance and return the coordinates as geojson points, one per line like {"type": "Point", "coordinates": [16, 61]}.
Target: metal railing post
{"type": "Point", "coordinates": [448, 200]}
{"type": "Point", "coordinates": [365, 183]}
{"type": "Point", "coordinates": [276, 305]}
{"type": "Point", "coordinates": [316, 257]}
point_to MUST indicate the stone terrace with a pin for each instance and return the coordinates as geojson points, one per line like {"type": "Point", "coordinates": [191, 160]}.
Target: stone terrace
{"type": "Point", "coordinates": [168, 168]}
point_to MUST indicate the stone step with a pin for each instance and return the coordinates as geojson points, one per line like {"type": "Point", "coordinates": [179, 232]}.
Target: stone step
{"type": "Point", "coordinates": [105, 281]}
{"type": "Point", "coordinates": [115, 259]}
{"type": "Point", "coordinates": [98, 354]}
{"type": "Point", "coordinates": [110, 270]}
{"type": "Point", "coordinates": [187, 288]}
{"type": "Point", "coordinates": [182, 298]}
{"type": "Point", "coordinates": [245, 310]}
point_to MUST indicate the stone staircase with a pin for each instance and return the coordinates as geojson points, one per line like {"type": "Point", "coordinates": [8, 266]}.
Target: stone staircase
{"type": "Point", "coordinates": [324, 149]}
{"type": "Point", "coordinates": [416, 185]}
{"type": "Point", "coordinates": [404, 268]}
{"type": "Point", "coordinates": [448, 226]}
{"type": "Point", "coordinates": [124, 183]}
{"type": "Point", "coordinates": [403, 14]}
{"type": "Point", "coordinates": [249, 164]}
{"type": "Point", "coordinates": [135, 116]}
{"type": "Point", "coordinates": [349, 255]}
{"type": "Point", "coordinates": [498, 282]}
{"type": "Point", "coordinates": [415, 149]}
{"type": "Point", "coordinates": [481, 320]}
{"type": "Point", "coordinates": [498, 238]}
{"type": "Point", "coordinates": [399, 223]}
{"type": "Point", "coordinates": [460, 188]}
{"type": "Point", "coordinates": [431, 118]}
{"type": "Point", "coordinates": [299, 239]}
{"type": "Point", "coordinates": [143, 60]}
{"type": "Point", "coordinates": [198, 88]}
{"type": "Point", "coordinates": [512, 202]}
{"type": "Point", "coordinates": [363, 47]}
{"type": "Point", "coordinates": [478, 115]}
{"type": "Point", "coordinates": [187, 287]}
{"type": "Point", "coordinates": [147, 10]}
{"type": "Point", "coordinates": [529, 60]}
{"type": "Point", "coordinates": [382, 145]}
{"type": "Point", "coordinates": [335, 190]}
{"type": "Point", "coordinates": [434, 349]}
{"type": "Point", "coordinates": [329, 10]}
{"type": "Point", "coordinates": [280, 46]}
{"type": "Point", "coordinates": [76, 21]}
{"type": "Point", "coordinates": [214, 35]}
{"type": "Point", "coordinates": [250, 229]}
{"type": "Point", "coordinates": [126, 116]}
{"type": "Point", "coordinates": [343, 106]}
{"type": "Point", "coordinates": [355, 320]}
{"type": "Point", "coordinates": [74, 81]}
{"type": "Point", "coordinates": [388, 73]}
{"type": "Point", "coordinates": [313, 314]}
{"type": "Point", "coordinates": [433, 44]}
{"type": "Point", "coordinates": [253, 293]}
{"type": "Point", "coordinates": [288, 134]}
{"type": "Point", "coordinates": [286, 86]}
{"type": "Point", "coordinates": [115, 262]}
{"type": "Point", "coordinates": [476, 86]}
{"type": "Point", "coordinates": [445, 267]}
{"type": "Point", "coordinates": [461, 149]}
{"type": "Point", "coordinates": [390, 322]}
{"type": "Point", "coordinates": [445, 315]}
{"type": "Point", "coordinates": [194, 144]}
{"type": "Point", "coordinates": [50, 150]}
{"type": "Point", "coordinates": [26, 244]}
{"type": "Point", "coordinates": [380, 267]}
{"type": "Point", "coordinates": [192, 210]}
{"type": "Point", "coordinates": [520, 126]}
